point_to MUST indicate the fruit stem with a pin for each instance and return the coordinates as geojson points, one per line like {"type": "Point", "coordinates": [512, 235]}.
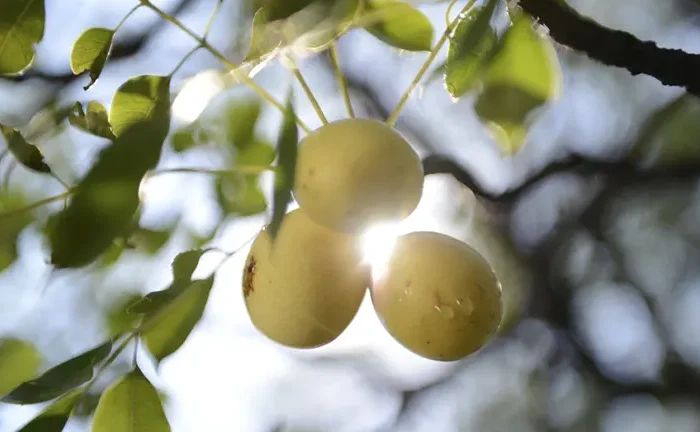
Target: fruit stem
{"type": "Point", "coordinates": [246, 169]}
{"type": "Point", "coordinates": [222, 58]}
{"type": "Point", "coordinates": [341, 80]}
{"type": "Point", "coordinates": [433, 53]}
{"type": "Point", "coordinates": [314, 102]}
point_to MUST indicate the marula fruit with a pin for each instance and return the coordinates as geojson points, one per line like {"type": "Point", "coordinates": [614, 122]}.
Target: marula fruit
{"type": "Point", "coordinates": [438, 297]}
{"type": "Point", "coordinates": [305, 289]}
{"type": "Point", "coordinates": [354, 173]}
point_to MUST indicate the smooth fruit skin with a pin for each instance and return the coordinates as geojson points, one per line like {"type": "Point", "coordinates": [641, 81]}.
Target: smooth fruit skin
{"type": "Point", "coordinates": [354, 173]}
{"type": "Point", "coordinates": [438, 297]}
{"type": "Point", "coordinates": [303, 290]}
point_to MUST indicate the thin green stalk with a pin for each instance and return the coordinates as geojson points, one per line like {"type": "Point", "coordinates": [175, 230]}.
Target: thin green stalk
{"type": "Point", "coordinates": [226, 62]}
{"type": "Point", "coordinates": [309, 93]}
{"type": "Point", "coordinates": [184, 59]}
{"type": "Point", "coordinates": [212, 17]}
{"type": "Point", "coordinates": [249, 169]}
{"type": "Point", "coordinates": [126, 17]}
{"type": "Point", "coordinates": [109, 361]}
{"type": "Point", "coordinates": [341, 80]}
{"type": "Point", "coordinates": [426, 65]}
{"type": "Point", "coordinates": [37, 204]}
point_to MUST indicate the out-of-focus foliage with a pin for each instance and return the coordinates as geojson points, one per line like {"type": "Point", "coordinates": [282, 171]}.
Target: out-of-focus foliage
{"type": "Point", "coordinates": [59, 379]}
{"type": "Point", "coordinates": [130, 404]}
{"type": "Point", "coordinates": [670, 137]}
{"type": "Point", "coordinates": [55, 416]}
{"type": "Point", "coordinates": [21, 26]}
{"type": "Point", "coordinates": [19, 362]}
{"type": "Point", "coordinates": [12, 227]}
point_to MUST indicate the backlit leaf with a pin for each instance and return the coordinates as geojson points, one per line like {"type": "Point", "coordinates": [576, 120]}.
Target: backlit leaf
{"type": "Point", "coordinates": [59, 379]}
{"type": "Point", "coordinates": [94, 121]}
{"type": "Point", "coordinates": [400, 25]}
{"type": "Point", "coordinates": [522, 76]}
{"type": "Point", "coordinates": [27, 154]}
{"type": "Point", "coordinates": [131, 404]}
{"type": "Point", "coordinates": [21, 26]}
{"type": "Point", "coordinates": [55, 416]}
{"type": "Point", "coordinates": [183, 139]}
{"type": "Point", "coordinates": [12, 227]}
{"type": "Point", "coordinates": [286, 167]}
{"type": "Point", "coordinates": [119, 318]}
{"type": "Point", "coordinates": [140, 99]}
{"type": "Point", "coordinates": [170, 326]}
{"type": "Point", "coordinates": [670, 137]}
{"type": "Point", "coordinates": [186, 263]}
{"type": "Point", "coordinates": [107, 198]}
{"type": "Point", "coordinates": [90, 52]}
{"type": "Point", "coordinates": [471, 42]}
{"type": "Point", "coordinates": [241, 118]}
{"type": "Point", "coordinates": [19, 362]}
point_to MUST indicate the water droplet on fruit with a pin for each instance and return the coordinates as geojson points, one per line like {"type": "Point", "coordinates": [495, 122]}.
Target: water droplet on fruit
{"type": "Point", "coordinates": [466, 306]}
{"type": "Point", "coordinates": [446, 311]}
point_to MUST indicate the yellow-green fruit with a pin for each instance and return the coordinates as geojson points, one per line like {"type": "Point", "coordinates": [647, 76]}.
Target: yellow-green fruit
{"type": "Point", "coordinates": [353, 173]}
{"type": "Point", "coordinates": [303, 290]}
{"type": "Point", "coordinates": [438, 297]}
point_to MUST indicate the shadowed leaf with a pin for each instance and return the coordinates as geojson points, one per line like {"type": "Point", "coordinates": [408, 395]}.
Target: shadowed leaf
{"type": "Point", "coordinates": [107, 198]}
{"type": "Point", "coordinates": [55, 417]}
{"type": "Point", "coordinates": [670, 137]}
{"type": "Point", "coordinates": [400, 25]}
{"type": "Point", "coordinates": [95, 121]}
{"type": "Point", "coordinates": [21, 26]}
{"type": "Point", "coordinates": [19, 362]}
{"type": "Point", "coordinates": [12, 227]}
{"type": "Point", "coordinates": [27, 154]}
{"type": "Point", "coordinates": [171, 324]}
{"type": "Point", "coordinates": [131, 404]}
{"type": "Point", "coordinates": [90, 52]}
{"type": "Point", "coordinates": [286, 167]}
{"type": "Point", "coordinates": [59, 379]}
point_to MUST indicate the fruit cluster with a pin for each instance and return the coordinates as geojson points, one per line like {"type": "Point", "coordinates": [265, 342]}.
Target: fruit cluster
{"type": "Point", "coordinates": [437, 296]}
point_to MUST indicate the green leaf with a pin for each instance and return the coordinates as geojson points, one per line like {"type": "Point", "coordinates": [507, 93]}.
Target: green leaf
{"type": "Point", "coordinates": [242, 116]}
{"type": "Point", "coordinates": [471, 43]}
{"type": "Point", "coordinates": [140, 99]}
{"type": "Point", "coordinates": [131, 404]}
{"type": "Point", "coordinates": [264, 38]}
{"type": "Point", "coordinates": [27, 154]}
{"type": "Point", "coordinates": [59, 379]}
{"type": "Point", "coordinates": [150, 241]}
{"type": "Point", "coordinates": [21, 26]}
{"type": "Point", "coordinates": [186, 263]}
{"type": "Point", "coordinates": [19, 362]}
{"type": "Point", "coordinates": [240, 195]}
{"type": "Point", "coordinates": [286, 167]}
{"type": "Point", "coordinates": [173, 323]}
{"type": "Point", "coordinates": [95, 121]}
{"type": "Point", "coordinates": [12, 227]}
{"type": "Point", "coordinates": [400, 25]}
{"type": "Point", "coordinates": [90, 52]}
{"type": "Point", "coordinates": [278, 9]}
{"type": "Point", "coordinates": [55, 417]}
{"type": "Point", "coordinates": [107, 198]}
{"type": "Point", "coordinates": [670, 137]}
{"type": "Point", "coordinates": [119, 318]}
{"type": "Point", "coordinates": [522, 76]}
{"type": "Point", "coordinates": [183, 139]}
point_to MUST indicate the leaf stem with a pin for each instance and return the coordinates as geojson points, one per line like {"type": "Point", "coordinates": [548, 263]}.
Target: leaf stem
{"type": "Point", "coordinates": [433, 53]}
{"type": "Point", "coordinates": [184, 59]}
{"type": "Point", "coordinates": [245, 169]}
{"type": "Point", "coordinates": [226, 62]}
{"type": "Point", "coordinates": [212, 17]}
{"type": "Point", "coordinates": [109, 361]}
{"type": "Point", "coordinates": [304, 85]}
{"type": "Point", "coordinates": [37, 204]}
{"type": "Point", "coordinates": [126, 17]}
{"type": "Point", "coordinates": [341, 79]}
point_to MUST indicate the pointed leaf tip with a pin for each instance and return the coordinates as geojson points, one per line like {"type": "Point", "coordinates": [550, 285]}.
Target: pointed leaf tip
{"type": "Point", "coordinates": [286, 167]}
{"type": "Point", "coordinates": [90, 52]}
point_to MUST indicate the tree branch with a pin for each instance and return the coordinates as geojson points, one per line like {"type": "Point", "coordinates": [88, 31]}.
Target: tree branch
{"type": "Point", "coordinates": [672, 67]}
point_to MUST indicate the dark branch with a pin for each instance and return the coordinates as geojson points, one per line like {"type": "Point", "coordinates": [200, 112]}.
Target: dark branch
{"type": "Point", "coordinates": [436, 164]}
{"type": "Point", "coordinates": [672, 67]}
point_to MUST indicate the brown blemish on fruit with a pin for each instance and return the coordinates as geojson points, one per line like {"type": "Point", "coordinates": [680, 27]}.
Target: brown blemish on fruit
{"type": "Point", "coordinates": [312, 172]}
{"type": "Point", "coordinates": [248, 279]}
